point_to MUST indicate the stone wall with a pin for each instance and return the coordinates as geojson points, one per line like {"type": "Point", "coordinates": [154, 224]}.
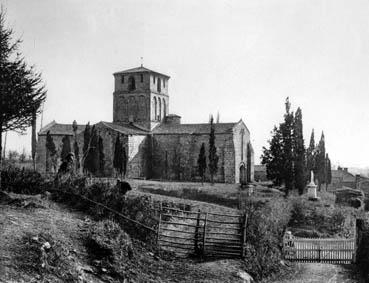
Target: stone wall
{"type": "Point", "coordinates": [175, 156]}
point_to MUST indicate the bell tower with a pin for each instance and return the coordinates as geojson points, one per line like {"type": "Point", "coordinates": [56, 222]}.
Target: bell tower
{"type": "Point", "coordinates": [140, 97]}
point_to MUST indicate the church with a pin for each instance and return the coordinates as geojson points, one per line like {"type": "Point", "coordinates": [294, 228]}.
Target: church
{"type": "Point", "coordinates": [156, 144]}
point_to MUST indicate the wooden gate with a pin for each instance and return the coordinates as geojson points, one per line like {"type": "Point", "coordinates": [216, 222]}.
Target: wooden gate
{"type": "Point", "coordinates": [338, 251]}
{"type": "Point", "coordinates": [202, 234]}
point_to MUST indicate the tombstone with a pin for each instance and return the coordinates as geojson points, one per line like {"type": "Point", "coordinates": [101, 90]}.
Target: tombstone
{"type": "Point", "coordinates": [311, 188]}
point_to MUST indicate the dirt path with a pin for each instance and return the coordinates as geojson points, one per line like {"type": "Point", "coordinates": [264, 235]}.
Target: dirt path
{"type": "Point", "coordinates": [319, 273]}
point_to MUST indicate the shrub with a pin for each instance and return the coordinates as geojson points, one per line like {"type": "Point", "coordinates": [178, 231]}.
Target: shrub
{"type": "Point", "coordinates": [111, 249]}
{"type": "Point", "coordinates": [265, 228]}
{"type": "Point", "coordinates": [22, 181]}
{"type": "Point", "coordinates": [139, 208]}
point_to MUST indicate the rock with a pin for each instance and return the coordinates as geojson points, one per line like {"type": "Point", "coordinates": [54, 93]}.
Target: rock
{"type": "Point", "coordinates": [245, 277]}
{"type": "Point", "coordinates": [46, 246]}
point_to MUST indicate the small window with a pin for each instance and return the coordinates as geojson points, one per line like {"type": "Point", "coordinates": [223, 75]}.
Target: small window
{"type": "Point", "coordinates": [159, 85]}
{"type": "Point", "coordinates": [131, 83]}
{"type": "Point", "coordinates": [122, 79]}
{"type": "Point", "coordinates": [154, 79]}
{"type": "Point", "coordinates": [164, 83]}
{"type": "Point", "coordinates": [142, 78]}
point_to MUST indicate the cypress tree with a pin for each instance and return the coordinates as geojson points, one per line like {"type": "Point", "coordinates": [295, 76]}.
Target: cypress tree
{"type": "Point", "coordinates": [117, 160]}
{"type": "Point", "coordinates": [93, 154]}
{"type": "Point", "coordinates": [299, 153]}
{"type": "Point", "coordinates": [213, 157]}
{"type": "Point", "coordinates": [201, 162]}
{"type": "Point", "coordinates": [310, 157]}
{"type": "Point", "coordinates": [50, 149]}
{"type": "Point", "coordinates": [320, 162]}
{"type": "Point", "coordinates": [272, 157]}
{"type": "Point", "coordinates": [124, 161]}
{"type": "Point", "coordinates": [66, 148]}
{"type": "Point", "coordinates": [86, 145]}
{"type": "Point", "coordinates": [287, 138]}
{"type": "Point", "coordinates": [101, 156]}
{"type": "Point", "coordinates": [328, 171]}
{"type": "Point", "coordinates": [76, 154]}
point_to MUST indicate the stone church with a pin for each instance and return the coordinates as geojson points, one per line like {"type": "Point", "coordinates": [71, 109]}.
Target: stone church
{"type": "Point", "coordinates": [157, 144]}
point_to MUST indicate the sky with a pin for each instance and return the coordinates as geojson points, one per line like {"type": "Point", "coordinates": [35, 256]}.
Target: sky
{"type": "Point", "coordinates": [239, 58]}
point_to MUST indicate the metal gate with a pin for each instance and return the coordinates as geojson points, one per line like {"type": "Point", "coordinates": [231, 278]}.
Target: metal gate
{"type": "Point", "coordinates": [338, 251]}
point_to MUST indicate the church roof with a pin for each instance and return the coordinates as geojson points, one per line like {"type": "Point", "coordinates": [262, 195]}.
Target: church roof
{"type": "Point", "coordinates": [60, 129]}
{"type": "Point", "coordinates": [67, 129]}
{"type": "Point", "coordinates": [140, 69]}
{"type": "Point", "coordinates": [128, 129]}
{"type": "Point", "coordinates": [220, 128]}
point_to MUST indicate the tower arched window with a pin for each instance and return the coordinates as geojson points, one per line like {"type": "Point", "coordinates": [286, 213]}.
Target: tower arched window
{"type": "Point", "coordinates": [155, 109]}
{"type": "Point", "coordinates": [159, 118]}
{"type": "Point", "coordinates": [242, 133]}
{"type": "Point", "coordinates": [131, 83]}
{"type": "Point", "coordinates": [159, 85]}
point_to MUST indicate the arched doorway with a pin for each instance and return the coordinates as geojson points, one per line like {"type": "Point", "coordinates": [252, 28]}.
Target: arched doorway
{"type": "Point", "coordinates": [243, 175]}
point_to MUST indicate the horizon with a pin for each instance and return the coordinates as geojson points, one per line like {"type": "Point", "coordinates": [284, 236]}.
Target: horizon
{"type": "Point", "coordinates": [242, 61]}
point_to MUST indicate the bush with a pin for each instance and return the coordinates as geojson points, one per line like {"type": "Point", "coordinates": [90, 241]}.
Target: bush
{"type": "Point", "coordinates": [22, 181]}
{"type": "Point", "coordinates": [139, 208]}
{"type": "Point", "coordinates": [111, 250]}
{"type": "Point", "coordinates": [265, 229]}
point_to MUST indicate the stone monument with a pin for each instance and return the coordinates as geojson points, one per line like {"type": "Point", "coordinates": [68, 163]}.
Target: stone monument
{"type": "Point", "coordinates": [311, 188]}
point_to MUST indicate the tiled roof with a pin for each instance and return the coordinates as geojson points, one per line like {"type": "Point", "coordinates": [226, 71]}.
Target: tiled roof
{"type": "Point", "coordinates": [139, 70]}
{"type": "Point", "coordinates": [60, 129]}
{"type": "Point", "coordinates": [66, 129]}
{"type": "Point", "coordinates": [128, 129]}
{"type": "Point", "coordinates": [220, 128]}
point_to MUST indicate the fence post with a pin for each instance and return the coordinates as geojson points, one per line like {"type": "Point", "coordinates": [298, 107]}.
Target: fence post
{"type": "Point", "coordinates": [244, 235]}
{"type": "Point", "coordinates": [204, 235]}
{"type": "Point", "coordinates": [158, 232]}
{"type": "Point", "coordinates": [197, 251]}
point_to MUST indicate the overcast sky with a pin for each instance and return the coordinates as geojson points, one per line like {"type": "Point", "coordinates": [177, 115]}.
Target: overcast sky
{"type": "Point", "coordinates": [241, 58]}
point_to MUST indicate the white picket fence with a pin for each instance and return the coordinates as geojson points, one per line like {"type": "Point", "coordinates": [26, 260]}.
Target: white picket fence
{"type": "Point", "coordinates": [336, 251]}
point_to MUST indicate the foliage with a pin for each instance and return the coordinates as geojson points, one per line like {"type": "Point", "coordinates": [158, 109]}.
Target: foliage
{"type": "Point", "coordinates": [213, 157]}
{"type": "Point", "coordinates": [139, 208]}
{"type": "Point", "coordinates": [310, 157]}
{"type": "Point", "coordinates": [120, 157]}
{"type": "Point", "coordinates": [321, 162]}
{"type": "Point", "coordinates": [50, 152]}
{"type": "Point", "coordinates": [287, 149]}
{"type": "Point", "coordinates": [22, 181]}
{"type": "Point", "coordinates": [326, 220]}
{"type": "Point", "coordinates": [109, 244]}
{"type": "Point", "coordinates": [50, 145]}
{"type": "Point", "coordinates": [76, 154]}
{"type": "Point", "coordinates": [266, 224]}
{"type": "Point", "coordinates": [299, 153]}
{"type": "Point", "coordinates": [328, 170]}
{"type": "Point", "coordinates": [201, 162]}
{"type": "Point", "coordinates": [101, 156]}
{"type": "Point", "coordinates": [86, 146]}
{"type": "Point", "coordinates": [272, 157]}
{"type": "Point", "coordinates": [21, 87]}
{"type": "Point", "coordinates": [66, 148]}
